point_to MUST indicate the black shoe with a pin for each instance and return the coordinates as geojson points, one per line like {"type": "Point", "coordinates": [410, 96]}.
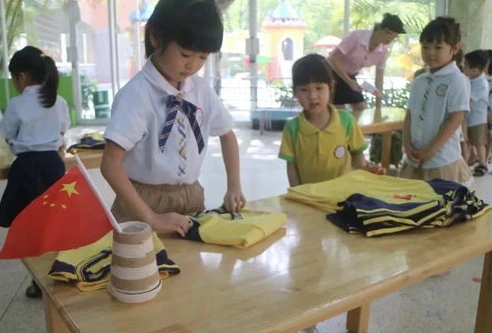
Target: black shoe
{"type": "Point", "coordinates": [33, 291]}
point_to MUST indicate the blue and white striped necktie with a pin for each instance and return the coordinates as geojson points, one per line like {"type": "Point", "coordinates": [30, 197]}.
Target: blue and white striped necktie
{"type": "Point", "coordinates": [173, 105]}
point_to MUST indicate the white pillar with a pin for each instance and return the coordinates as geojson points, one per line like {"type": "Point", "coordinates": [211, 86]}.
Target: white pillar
{"type": "Point", "coordinates": [346, 18]}
{"type": "Point", "coordinates": [72, 53]}
{"type": "Point", "coordinates": [138, 39]}
{"type": "Point", "coordinates": [116, 46]}
{"type": "Point", "coordinates": [112, 47]}
{"type": "Point", "coordinates": [5, 53]}
{"type": "Point", "coordinates": [441, 8]}
{"type": "Point", "coordinates": [252, 49]}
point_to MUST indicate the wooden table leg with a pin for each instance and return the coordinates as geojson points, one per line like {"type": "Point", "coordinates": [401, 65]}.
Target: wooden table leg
{"type": "Point", "coordinates": [358, 319]}
{"type": "Point", "coordinates": [483, 323]}
{"type": "Point", "coordinates": [386, 150]}
{"type": "Point", "coordinates": [54, 322]}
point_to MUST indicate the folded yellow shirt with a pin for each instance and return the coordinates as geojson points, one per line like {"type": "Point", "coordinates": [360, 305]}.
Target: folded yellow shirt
{"type": "Point", "coordinates": [89, 266]}
{"type": "Point", "coordinates": [326, 195]}
{"type": "Point", "coordinates": [238, 229]}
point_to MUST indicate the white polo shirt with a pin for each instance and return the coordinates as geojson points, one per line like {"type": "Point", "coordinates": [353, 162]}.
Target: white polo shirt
{"type": "Point", "coordinates": [479, 101]}
{"type": "Point", "coordinates": [28, 126]}
{"type": "Point", "coordinates": [138, 115]}
{"type": "Point", "coordinates": [432, 98]}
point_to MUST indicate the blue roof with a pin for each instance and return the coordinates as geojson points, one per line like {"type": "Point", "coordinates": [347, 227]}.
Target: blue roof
{"type": "Point", "coordinates": [285, 11]}
{"type": "Point", "coordinates": [145, 10]}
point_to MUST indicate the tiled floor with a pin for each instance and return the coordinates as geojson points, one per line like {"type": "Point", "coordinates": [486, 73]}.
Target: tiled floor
{"type": "Point", "coordinates": [445, 304]}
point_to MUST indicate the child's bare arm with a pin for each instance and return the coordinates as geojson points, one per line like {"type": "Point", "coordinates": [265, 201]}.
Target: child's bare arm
{"type": "Point", "coordinates": [114, 173]}
{"type": "Point", "coordinates": [234, 199]}
{"type": "Point", "coordinates": [358, 160]}
{"type": "Point", "coordinates": [293, 174]}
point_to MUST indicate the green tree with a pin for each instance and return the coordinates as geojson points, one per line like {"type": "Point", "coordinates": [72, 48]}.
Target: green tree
{"type": "Point", "coordinates": [19, 11]}
{"type": "Point", "coordinates": [415, 14]}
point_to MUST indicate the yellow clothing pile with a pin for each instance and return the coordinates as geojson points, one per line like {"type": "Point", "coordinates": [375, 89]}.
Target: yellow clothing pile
{"type": "Point", "coordinates": [327, 195]}
{"type": "Point", "coordinates": [89, 266]}
{"type": "Point", "coordinates": [374, 205]}
{"type": "Point", "coordinates": [237, 229]}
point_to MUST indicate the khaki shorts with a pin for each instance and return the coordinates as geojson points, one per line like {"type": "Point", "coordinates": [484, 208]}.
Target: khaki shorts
{"type": "Point", "coordinates": [477, 135]}
{"type": "Point", "coordinates": [457, 172]}
{"type": "Point", "coordinates": [182, 199]}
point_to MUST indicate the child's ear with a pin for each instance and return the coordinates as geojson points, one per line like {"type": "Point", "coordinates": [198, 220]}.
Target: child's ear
{"type": "Point", "coordinates": [456, 48]}
{"type": "Point", "coordinates": [154, 41]}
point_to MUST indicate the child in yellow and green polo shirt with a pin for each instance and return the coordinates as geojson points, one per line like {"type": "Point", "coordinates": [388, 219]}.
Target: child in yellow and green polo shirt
{"type": "Point", "coordinates": [320, 142]}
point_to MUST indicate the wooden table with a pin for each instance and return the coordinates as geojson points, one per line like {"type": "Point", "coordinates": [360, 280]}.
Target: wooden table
{"type": "Point", "coordinates": [90, 158]}
{"type": "Point", "coordinates": [385, 122]}
{"type": "Point", "coordinates": [300, 276]}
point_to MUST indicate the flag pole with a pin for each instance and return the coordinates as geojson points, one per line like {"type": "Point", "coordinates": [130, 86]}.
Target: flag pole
{"type": "Point", "coordinates": [82, 168]}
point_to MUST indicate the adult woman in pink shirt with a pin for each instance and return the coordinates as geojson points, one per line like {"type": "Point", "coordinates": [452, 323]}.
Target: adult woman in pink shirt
{"type": "Point", "coordinates": [362, 48]}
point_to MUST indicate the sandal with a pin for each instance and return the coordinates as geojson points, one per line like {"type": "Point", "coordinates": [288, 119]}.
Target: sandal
{"type": "Point", "coordinates": [33, 291]}
{"type": "Point", "coordinates": [480, 170]}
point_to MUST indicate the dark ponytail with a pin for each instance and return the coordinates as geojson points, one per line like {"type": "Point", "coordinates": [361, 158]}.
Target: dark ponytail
{"type": "Point", "coordinates": [49, 89]}
{"type": "Point", "coordinates": [40, 68]}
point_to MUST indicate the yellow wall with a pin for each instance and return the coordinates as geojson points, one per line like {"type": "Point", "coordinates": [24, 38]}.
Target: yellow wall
{"type": "Point", "coordinates": [277, 35]}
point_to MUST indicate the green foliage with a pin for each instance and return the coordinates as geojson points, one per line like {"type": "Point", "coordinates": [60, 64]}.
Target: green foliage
{"type": "Point", "coordinates": [20, 15]}
{"type": "Point", "coordinates": [396, 148]}
{"type": "Point", "coordinates": [391, 98]}
{"type": "Point", "coordinates": [415, 14]}
{"type": "Point", "coordinates": [326, 17]}
{"type": "Point", "coordinates": [88, 88]}
{"type": "Point", "coordinates": [284, 96]}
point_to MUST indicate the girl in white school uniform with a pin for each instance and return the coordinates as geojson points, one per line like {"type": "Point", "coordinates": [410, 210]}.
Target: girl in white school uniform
{"type": "Point", "coordinates": [162, 119]}
{"type": "Point", "coordinates": [438, 102]}
{"type": "Point", "coordinates": [33, 126]}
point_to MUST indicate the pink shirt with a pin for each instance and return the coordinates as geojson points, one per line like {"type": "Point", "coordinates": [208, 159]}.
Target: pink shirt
{"type": "Point", "coordinates": [355, 47]}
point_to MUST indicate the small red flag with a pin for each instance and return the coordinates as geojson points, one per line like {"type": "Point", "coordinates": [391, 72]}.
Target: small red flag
{"type": "Point", "coordinates": [68, 215]}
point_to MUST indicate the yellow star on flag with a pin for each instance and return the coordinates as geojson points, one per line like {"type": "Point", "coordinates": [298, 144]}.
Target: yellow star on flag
{"type": "Point", "coordinates": [70, 189]}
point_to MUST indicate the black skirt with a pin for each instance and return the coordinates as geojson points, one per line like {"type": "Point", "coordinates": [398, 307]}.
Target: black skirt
{"type": "Point", "coordinates": [30, 175]}
{"type": "Point", "coordinates": [344, 94]}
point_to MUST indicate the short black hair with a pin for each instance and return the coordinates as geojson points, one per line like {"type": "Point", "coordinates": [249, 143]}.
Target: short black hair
{"type": "Point", "coordinates": [312, 68]}
{"type": "Point", "coordinates": [489, 64]}
{"type": "Point", "coordinates": [477, 59]}
{"type": "Point", "coordinates": [441, 29]}
{"type": "Point", "coordinates": [392, 23]}
{"type": "Point", "coordinates": [195, 25]}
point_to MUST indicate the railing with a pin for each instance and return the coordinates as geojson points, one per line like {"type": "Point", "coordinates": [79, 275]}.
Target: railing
{"type": "Point", "coordinates": [236, 94]}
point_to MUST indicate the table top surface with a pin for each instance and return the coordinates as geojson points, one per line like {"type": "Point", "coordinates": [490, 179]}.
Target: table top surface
{"type": "Point", "coordinates": [90, 157]}
{"type": "Point", "coordinates": [386, 119]}
{"type": "Point", "coordinates": [300, 275]}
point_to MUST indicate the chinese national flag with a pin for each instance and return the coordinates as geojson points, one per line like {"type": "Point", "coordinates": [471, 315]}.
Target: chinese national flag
{"type": "Point", "coordinates": [68, 215]}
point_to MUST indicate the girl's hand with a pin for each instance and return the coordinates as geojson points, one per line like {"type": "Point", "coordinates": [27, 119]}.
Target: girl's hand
{"type": "Point", "coordinates": [170, 222]}
{"type": "Point", "coordinates": [234, 200]}
{"type": "Point", "coordinates": [376, 169]}
{"type": "Point", "coordinates": [410, 152]}
{"type": "Point", "coordinates": [421, 155]}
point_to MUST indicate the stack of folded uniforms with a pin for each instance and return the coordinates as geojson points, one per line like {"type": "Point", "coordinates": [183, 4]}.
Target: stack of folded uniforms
{"type": "Point", "coordinates": [93, 140]}
{"type": "Point", "coordinates": [240, 230]}
{"type": "Point", "coordinates": [88, 267]}
{"type": "Point", "coordinates": [360, 202]}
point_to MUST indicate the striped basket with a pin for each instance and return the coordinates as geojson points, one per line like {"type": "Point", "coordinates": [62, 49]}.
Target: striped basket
{"type": "Point", "coordinates": [134, 276]}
